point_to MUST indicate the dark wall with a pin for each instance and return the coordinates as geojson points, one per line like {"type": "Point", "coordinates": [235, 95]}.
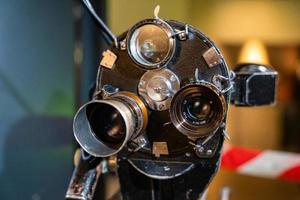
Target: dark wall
{"type": "Point", "coordinates": [36, 98]}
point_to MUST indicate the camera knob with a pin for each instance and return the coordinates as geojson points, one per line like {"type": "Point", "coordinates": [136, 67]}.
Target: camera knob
{"type": "Point", "coordinates": [157, 87]}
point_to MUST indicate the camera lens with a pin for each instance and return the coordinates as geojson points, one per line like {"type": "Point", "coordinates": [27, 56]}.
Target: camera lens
{"type": "Point", "coordinates": [103, 127]}
{"type": "Point", "coordinates": [198, 109]}
{"type": "Point", "coordinates": [151, 45]}
{"type": "Point", "coordinates": [107, 123]}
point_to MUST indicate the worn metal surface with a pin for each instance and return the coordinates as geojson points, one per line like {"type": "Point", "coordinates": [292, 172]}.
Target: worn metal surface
{"type": "Point", "coordinates": [84, 179]}
{"type": "Point", "coordinates": [184, 172]}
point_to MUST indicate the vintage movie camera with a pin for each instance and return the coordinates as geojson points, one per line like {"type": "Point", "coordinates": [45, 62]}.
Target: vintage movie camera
{"type": "Point", "coordinates": [159, 110]}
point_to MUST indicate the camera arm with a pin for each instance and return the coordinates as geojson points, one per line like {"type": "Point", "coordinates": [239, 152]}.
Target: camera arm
{"type": "Point", "coordinates": [85, 177]}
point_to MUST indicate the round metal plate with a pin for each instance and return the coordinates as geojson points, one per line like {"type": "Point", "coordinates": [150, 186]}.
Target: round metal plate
{"type": "Point", "coordinates": [158, 88]}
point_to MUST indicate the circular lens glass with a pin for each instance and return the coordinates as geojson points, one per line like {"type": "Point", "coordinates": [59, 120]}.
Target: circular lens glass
{"type": "Point", "coordinates": [198, 110]}
{"type": "Point", "coordinates": [150, 44]}
{"type": "Point", "coordinates": [198, 107]}
{"type": "Point", "coordinates": [107, 123]}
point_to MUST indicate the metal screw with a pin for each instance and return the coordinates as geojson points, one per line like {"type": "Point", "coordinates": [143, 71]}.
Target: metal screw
{"type": "Point", "coordinates": [123, 45]}
{"type": "Point", "coordinates": [157, 89]}
{"type": "Point", "coordinates": [182, 36]}
{"type": "Point", "coordinates": [172, 78]}
{"type": "Point", "coordinates": [141, 142]}
{"type": "Point", "coordinates": [142, 82]}
{"type": "Point", "coordinates": [209, 152]}
{"type": "Point", "coordinates": [161, 106]}
{"type": "Point", "coordinates": [200, 149]}
{"type": "Point", "coordinates": [166, 168]}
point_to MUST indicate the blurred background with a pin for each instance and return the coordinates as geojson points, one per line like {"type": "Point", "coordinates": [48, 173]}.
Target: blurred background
{"type": "Point", "coordinates": [49, 53]}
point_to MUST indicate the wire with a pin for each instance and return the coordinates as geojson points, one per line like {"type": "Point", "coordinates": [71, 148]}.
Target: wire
{"type": "Point", "coordinates": [105, 30]}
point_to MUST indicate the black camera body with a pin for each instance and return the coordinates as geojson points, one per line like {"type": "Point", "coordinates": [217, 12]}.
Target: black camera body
{"type": "Point", "coordinates": [168, 153]}
{"type": "Point", "coordinates": [159, 108]}
{"type": "Point", "coordinates": [254, 85]}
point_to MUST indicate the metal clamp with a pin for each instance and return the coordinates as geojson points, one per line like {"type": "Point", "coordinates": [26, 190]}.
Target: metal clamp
{"type": "Point", "coordinates": [182, 34]}
{"type": "Point", "coordinates": [217, 79]}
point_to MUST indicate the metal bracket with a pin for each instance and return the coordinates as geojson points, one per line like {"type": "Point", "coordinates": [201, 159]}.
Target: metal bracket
{"type": "Point", "coordinates": [212, 57]}
{"type": "Point", "coordinates": [123, 45]}
{"type": "Point", "coordinates": [218, 79]}
{"type": "Point", "coordinates": [182, 34]}
{"type": "Point", "coordinates": [197, 75]}
{"type": "Point", "coordinates": [108, 60]}
{"type": "Point", "coordinates": [200, 147]}
{"type": "Point", "coordinates": [160, 148]}
{"type": "Point", "coordinates": [141, 142]}
{"type": "Point", "coordinates": [156, 12]}
{"type": "Point", "coordinates": [108, 90]}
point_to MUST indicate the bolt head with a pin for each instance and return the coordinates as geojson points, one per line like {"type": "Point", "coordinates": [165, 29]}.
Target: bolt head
{"type": "Point", "coordinates": [209, 151]}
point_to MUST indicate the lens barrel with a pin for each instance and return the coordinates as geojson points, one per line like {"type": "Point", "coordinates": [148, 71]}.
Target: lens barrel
{"type": "Point", "coordinates": [103, 127]}
{"type": "Point", "coordinates": [150, 43]}
{"type": "Point", "coordinates": [198, 109]}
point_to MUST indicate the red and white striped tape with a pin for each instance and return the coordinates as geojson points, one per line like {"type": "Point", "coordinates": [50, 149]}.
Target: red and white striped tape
{"type": "Point", "coordinates": [269, 163]}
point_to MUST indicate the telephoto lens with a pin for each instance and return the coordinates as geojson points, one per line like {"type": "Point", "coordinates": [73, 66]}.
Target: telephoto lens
{"type": "Point", "coordinates": [103, 127]}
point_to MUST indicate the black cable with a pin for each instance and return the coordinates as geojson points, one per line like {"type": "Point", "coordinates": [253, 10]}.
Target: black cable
{"type": "Point", "coordinates": [106, 32]}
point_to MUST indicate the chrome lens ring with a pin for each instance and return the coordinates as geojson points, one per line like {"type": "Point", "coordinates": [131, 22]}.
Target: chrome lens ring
{"type": "Point", "coordinates": [213, 108]}
{"type": "Point", "coordinates": [103, 127]}
{"type": "Point", "coordinates": [85, 134]}
{"type": "Point", "coordinates": [138, 107]}
{"type": "Point", "coordinates": [150, 43]}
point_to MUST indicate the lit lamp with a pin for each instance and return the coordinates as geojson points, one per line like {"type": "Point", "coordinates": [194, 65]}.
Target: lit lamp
{"type": "Point", "coordinates": [254, 51]}
{"type": "Point", "coordinates": [255, 80]}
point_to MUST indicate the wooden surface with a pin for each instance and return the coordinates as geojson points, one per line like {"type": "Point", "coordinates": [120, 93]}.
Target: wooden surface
{"type": "Point", "coordinates": [253, 188]}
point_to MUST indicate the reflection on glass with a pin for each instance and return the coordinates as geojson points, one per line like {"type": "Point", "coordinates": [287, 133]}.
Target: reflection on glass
{"type": "Point", "coordinates": [150, 44]}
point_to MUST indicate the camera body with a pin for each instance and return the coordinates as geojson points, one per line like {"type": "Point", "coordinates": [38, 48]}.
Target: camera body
{"type": "Point", "coordinates": [254, 85]}
{"type": "Point", "coordinates": [159, 108]}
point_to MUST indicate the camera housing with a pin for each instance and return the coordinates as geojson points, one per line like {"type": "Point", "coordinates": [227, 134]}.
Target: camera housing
{"type": "Point", "coordinates": [254, 85]}
{"type": "Point", "coordinates": [165, 150]}
{"type": "Point", "coordinates": [160, 106]}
